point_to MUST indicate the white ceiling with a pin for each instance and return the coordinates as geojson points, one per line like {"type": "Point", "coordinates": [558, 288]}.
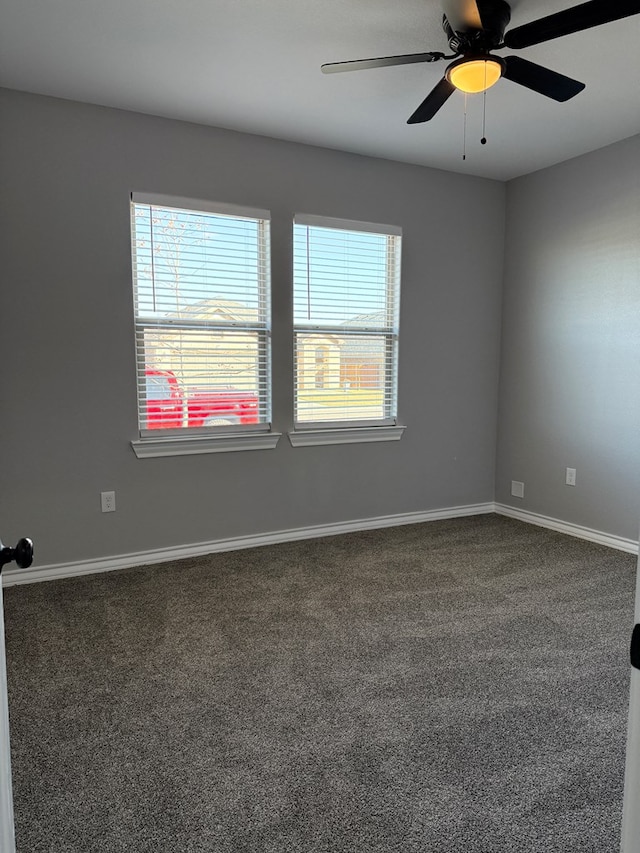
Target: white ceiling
{"type": "Point", "coordinates": [254, 65]}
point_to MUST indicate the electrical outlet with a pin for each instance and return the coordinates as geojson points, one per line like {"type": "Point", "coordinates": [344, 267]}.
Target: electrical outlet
{"type": "Point", "coordinates": [517, 489]}
{"type": "Point", "coordinates": [571, 477]}
{"type": "Point", "coordinates": [108, 501]}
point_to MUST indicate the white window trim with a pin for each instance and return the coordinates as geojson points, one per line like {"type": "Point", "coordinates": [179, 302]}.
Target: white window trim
{"type": "Point", "coordinates": [194, 205]}
{"type": "Point", "coordinates": [151, 448]}
{"type": "Point", "coordinates": [346, 224]}
{"type": "Point", "coordinates": [346, 432]}
{"type": "Point", "coordinates": [345, 435]}
{"type": "Point", "coordinates": [214, 441]}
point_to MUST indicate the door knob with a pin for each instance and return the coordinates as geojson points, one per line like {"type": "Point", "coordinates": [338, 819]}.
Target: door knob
{"type": "Point", "coordinates": [22, 554]}
{"type": "Point", "coordinates": [635, 647]}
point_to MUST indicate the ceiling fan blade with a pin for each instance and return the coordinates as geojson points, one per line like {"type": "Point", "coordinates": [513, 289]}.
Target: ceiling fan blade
{"type": "Point", "coordinates": [432, 103]}
{"type": "Point", "coordinates": [472, 15]}
{"type": "Point", "coordinates": [541, 80]}
{"type": "Point", "coordinates": [380, 62]}
{"type": "Point", "coordinates": [591, 14]}
{"type": "Point", "coordinates": [463, 15]}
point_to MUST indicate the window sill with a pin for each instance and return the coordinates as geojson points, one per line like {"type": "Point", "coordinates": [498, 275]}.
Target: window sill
{"type": "Point", "coordinates": [345, 435]}
{"type": "Point", "coordinates": [152, 447]}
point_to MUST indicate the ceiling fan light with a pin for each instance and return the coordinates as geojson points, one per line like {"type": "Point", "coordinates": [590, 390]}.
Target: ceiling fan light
{"type": "Point", "coordinates": [475, 75]}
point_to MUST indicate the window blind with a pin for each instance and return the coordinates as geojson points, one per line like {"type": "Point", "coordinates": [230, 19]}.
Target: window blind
{"type": "Point", "coordinates": [201, 293]}
{"type": "Point", "coordinates": [346, 316]}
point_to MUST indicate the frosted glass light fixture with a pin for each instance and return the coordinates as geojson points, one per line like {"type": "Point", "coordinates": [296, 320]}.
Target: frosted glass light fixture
{"type": "Point", "coordinates": [475, 74]}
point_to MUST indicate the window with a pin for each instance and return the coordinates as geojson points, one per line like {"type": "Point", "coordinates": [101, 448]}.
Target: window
{"type": "Point", "coordinates": [346, 308]}
{"type": "Point", "coordinates": [201, 299]}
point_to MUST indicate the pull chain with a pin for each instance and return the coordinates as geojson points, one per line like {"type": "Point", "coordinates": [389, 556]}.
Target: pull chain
{"type": "Point", "coordinates": [464, 131]}
{"type": "Point", "coordinates": [483, 141]}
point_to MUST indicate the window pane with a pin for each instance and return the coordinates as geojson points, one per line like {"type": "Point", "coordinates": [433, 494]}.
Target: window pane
{"type": "Point", "coordinates": [346, 306]}
{"type": "Point", "coordinates": [201, 294]}
{"type": "Point", "coordinates": [183, 259]}
{"type": "Point", "coordinates": [217, 378]}
{"type": "Point", "coordinates": [343, 377]}
{"type": "Point", "coordinates": [339, 276]}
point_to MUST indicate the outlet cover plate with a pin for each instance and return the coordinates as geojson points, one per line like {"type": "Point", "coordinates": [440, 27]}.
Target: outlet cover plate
{"type": "Point", "coordinates": [108, 501]}
{"type": "Point", "coordinates": [517, 489]}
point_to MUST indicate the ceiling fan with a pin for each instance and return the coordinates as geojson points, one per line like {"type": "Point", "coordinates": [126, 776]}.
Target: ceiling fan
{"type": "Point", "coordinates": [474, 28]}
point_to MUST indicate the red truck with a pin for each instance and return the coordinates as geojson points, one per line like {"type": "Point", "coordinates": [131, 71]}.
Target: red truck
{"type": "Point", "coordinates": [165, 404]}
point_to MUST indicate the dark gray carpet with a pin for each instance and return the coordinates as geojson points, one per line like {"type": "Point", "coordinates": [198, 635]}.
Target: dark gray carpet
{"type": "Point", "coordinates": [447, 687]}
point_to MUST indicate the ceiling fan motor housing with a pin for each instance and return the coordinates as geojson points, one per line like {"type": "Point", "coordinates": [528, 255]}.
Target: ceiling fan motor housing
{"type": "Point", "coordinates": [495, 16]}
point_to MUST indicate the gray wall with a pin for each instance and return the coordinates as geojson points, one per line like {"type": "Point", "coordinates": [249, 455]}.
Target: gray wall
{"type": "Point", "coordinates": [67, 380]}
{"type": "Point", "coordinates": [570, 380]}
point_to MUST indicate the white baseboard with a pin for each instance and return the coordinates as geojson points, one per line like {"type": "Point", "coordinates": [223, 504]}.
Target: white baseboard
{"type": "Point", "coordinates": [14, 576]}
{"type": "Point", "coordinates": [617, 542]}
{"type": "Point", "coordinates": [35, 574]}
